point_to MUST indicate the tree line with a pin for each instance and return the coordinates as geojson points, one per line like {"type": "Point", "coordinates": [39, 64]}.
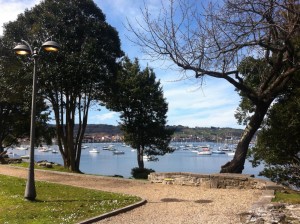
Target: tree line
{"type": "Point", "coordinates": [181, 133]}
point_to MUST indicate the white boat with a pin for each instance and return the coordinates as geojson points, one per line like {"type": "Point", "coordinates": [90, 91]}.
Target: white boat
{"type": "Point", "coordinates": [94, 151]}
{"type": "Point", "coordinates": [218, 152]}
{"type": "Point", "coordinates": [204, 150]}
{"type": "Point", "coordinates": [109, 147]}
{"type": "Point", "coordinates": [54, 151]}
{"type": "Point", "coordinates": [21, 148]}
{"type": "Point", "coordinates": [25, 157]}
{"type": "Point", "coordinates": [204, 147]}
{"type": "Point", "coordinates": [117, 152]}
{"type": "Point", "coordinates": [230, 153]}
{"type": "Point", "coordinates": [149, 158]}
{"type": "Point", "coordinates": [204, 153]}
{"type": "Point", "coordinates": [44, 149]}
{"type": "Point", "coordinates": [226, 148]}
{"type": "Point", "coordinates": [84, 146]}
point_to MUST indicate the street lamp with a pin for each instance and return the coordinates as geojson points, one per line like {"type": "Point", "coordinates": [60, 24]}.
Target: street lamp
{"type": "Point", "coordinates": [25, 49]}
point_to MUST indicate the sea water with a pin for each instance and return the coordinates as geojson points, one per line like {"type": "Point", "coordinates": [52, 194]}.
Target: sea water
{"type": "Point", "coordinates": [181, 160]}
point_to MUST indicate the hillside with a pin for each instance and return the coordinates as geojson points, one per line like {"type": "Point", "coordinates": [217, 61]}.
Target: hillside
{"type": "Point", "coordinates": [102, 129]}
{"type": "Point", "coordinates": [182, 133]}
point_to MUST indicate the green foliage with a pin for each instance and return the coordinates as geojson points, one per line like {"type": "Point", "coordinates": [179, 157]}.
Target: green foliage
{"type": "Point", "coordinates": [15, 100]}
{"type": "Point", "coordinates": [253, 72]}
{"type": "Point", "coordinates": [139, 98]}
{"type": "Point", "coordinates": [141, 173]}
{"type": "Point", "coordinates": [55, 203]}
{"type": "Point", "coordinates": [79, 74]}
{"type": "Point", "coordinates": [279, 140]}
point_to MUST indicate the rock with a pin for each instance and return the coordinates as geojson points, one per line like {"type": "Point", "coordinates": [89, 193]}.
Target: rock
{"type": "Point", "coordinates": [224, 180]}
{"type": "Point", "coordinates": [45, 163]}
{"type": "Point", "coordinates": [274, 213]}
{"type": "Point", "coordinates": [49, 165]}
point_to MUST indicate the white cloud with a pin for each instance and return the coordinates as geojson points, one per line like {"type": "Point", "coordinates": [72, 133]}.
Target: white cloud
{"type": "Point", "coordinates": [10, 9]}
{"type": "Point", "coordinates": [221, 117]}
{"type": "Point", "coordinates": [213, 104]}
{"type": "Point", "coordinates": [211, 95]}
{"type": "Point", "coordinates": [104, 116]}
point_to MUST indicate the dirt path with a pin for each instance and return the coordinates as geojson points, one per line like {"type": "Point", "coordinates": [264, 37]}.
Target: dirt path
{"type": "Point", "coordinates": [166, 203]}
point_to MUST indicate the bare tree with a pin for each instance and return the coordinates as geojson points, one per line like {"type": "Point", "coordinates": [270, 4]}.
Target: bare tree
{"type": "Point", "coordinates": [212, 40]}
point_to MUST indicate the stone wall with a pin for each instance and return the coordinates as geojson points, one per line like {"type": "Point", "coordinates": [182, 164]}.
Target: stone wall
{"type": "Point", "coordinates": [221, 180]}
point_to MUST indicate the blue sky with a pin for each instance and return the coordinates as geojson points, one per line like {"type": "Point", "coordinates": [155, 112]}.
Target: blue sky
{"type": "Point", "coordinates": [190, 104]}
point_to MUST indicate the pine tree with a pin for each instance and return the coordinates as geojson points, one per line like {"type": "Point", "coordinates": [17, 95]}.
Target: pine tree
{"type": "Point", "coordinates": [139, 99]}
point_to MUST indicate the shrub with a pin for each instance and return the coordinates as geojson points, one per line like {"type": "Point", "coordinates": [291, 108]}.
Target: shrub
{"type": "Point", "coordinates": [141, 173]}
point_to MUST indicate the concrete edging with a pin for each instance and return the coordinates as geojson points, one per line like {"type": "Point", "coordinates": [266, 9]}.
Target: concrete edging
{"type": "Point", "coordinates": [113, 213]}
{"type": "Point", "coordinates": [265, 198]}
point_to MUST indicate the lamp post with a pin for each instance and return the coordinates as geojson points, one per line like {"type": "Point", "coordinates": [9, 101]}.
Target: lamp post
{"type": "Point", "coordinates": [25, 49]}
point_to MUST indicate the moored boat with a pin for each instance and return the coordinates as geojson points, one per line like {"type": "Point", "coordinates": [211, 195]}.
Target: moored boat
{"type": "Point", "coordinates": [218, 152]}
{"type": "Point", "coordinates": [149, 158]}
{"type": "Point", "coordinates": [117, 152]}
{"type": "Point", "coordinates": [230, 153]}
{"type": "Point", "coordinates": [204, 153]}
{"type": "Point", "coordinates": [44, 149]}
{"type": "Point", "coordinates": [94, 150]}
{"type": "Point", "coordinates": [21, 148]}
{"type": "Point", "coordinates": [109, 147]}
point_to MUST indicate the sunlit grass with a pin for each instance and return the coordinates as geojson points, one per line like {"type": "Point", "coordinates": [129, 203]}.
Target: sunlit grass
{"type": "Point", "coordinates": [289, 196]}
{"type": "Point", "coordinates": [55, 203]}
{"type": "Point", "coordinates": [54, 168]}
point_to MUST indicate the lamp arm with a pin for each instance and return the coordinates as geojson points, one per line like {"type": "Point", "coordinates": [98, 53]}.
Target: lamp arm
{"type": "Point", "coordinates": [48, 38]}
{"type": "Point", "coordinates": [28, 45]}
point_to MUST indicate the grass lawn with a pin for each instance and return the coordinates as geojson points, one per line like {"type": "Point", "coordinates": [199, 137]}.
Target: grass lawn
{"type": "Point", "coordinates": [287, 196]}
{"type": "Point", "coordinates": [55, 203]}
{"type": "Point", "coordinates": [54, 168]}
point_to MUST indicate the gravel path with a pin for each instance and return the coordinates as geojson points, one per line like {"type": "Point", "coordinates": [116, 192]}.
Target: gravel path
{"type": "Point", "coordinates": [166, 203]}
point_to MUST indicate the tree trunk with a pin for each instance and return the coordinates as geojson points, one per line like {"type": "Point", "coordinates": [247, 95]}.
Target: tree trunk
{"type": "Point", "coordinates": [79, 137]}
{"type": "Point", "coordinates": [237, 164]}
{"type": "Point", "coordinates": [140, 153]}
{"type": "Point", "coordinates": [77, 159]}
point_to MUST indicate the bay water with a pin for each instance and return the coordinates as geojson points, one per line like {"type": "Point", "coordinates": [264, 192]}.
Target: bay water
{"type": "Point", "coordinates": [181, 160]}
